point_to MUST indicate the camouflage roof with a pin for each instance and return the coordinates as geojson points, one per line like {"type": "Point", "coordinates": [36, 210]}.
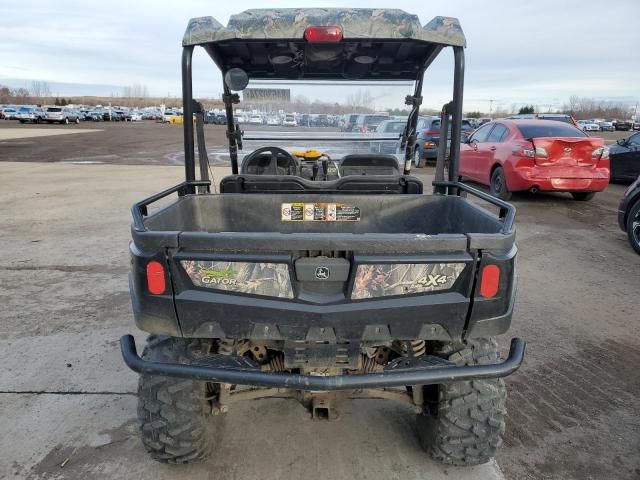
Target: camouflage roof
{"type": "Point", "coordinates": [356, 23]}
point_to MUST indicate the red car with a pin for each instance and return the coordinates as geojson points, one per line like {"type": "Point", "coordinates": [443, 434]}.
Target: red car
{"type": "Point", "coordinates": [535, 155]}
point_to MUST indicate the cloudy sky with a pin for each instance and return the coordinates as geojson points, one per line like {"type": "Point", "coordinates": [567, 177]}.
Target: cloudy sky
{"type": "Point", "coordinates": [538, 52]}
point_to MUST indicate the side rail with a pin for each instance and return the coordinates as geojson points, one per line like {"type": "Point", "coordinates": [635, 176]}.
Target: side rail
{"type": "Point", "coordinates": [507, 211]}
{"type": "Point", "coordinates": [139, 210]}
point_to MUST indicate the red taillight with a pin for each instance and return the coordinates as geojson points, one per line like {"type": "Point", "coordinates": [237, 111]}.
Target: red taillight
{"type": "Point", "coordinates": [432, 132]}
{"type": "Point", "coordinates": [323, 34]}
{"type": "Point", "coordinates": [155, 278]}
{"type": "Point", "coordinates": [489, 281]}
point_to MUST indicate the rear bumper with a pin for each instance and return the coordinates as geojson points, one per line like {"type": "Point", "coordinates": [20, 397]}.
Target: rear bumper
{"type": "Point", "coordinates": [423, 375]}
{"type": "Point", "coordinates": [559, 179]}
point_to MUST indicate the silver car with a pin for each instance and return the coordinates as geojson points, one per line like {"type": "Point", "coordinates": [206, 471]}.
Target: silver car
{"type": "Point", "coordinates": [61, 115]}
{"type": "Point", "coordinates": [30, 114]}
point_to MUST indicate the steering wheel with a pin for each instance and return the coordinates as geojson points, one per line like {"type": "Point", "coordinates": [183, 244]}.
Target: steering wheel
{"type": "Point", "coordinates": [256, 163]}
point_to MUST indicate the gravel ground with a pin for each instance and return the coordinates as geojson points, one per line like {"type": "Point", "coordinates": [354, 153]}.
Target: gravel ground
{"type": "Point", "coordinates": [573, 407]}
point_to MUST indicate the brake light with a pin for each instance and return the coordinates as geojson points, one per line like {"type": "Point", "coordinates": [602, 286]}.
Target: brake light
{"type": "Point", "coordinates": [525, 152]}
{"type": "Point", "coordinates": [155, 278]}
{"type": "Point", "coordinates": [541, 152]}
{"type": "Point", "coordinates": [432, 132]}
{"type": "Point", "coordinates": [429, 144]}
{"type": "Point", "coordinates": [489, 281]}
{"type": "Point", "coordinates": [600, 153]}
{"type": "Point", "coordinates": [325, 34]}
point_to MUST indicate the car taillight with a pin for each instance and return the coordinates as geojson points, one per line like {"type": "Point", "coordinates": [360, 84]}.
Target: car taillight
{"type": "Point", "coordinates": [600, 153]}
{"type": "Point", "coordinates": [155, 278]}
{"type": "Point", "coordinates": [432, 132]}
{"type": "Point", "coordinates": [489, 281]}
{"type": "Point", "coordinates": [429, 144]}
{"type": "Point", "coordinates": [525, 152]}
{"type": "Point", "coordinates": [325, 34]}
{"type": "Point", "coordinates": [541, 152]}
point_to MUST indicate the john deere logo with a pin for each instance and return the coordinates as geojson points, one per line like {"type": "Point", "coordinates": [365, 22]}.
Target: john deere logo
{"type": "Point", "coordinates": [322, 273]}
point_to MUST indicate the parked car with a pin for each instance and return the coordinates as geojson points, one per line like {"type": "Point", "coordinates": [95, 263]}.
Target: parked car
{"type": "Point", "coordinates": [428, 137]}
{"type": "Point", "coordinates": [390, 128]}
{"type": "Point", "coordinates": [255, 120]}
{"type": "Point", "coordinates": [629, 214]}
{"type": "Point", "coordinates": [273, 121]}
{"type": "Point", "coordinates": [9, 113]}
{"type": "Point", "coordinates": [61, 115]}
{"type": "Point", "coordinates": [606, 126]}
{"type": "Point", "coordinates": [348, 122]}
{"type": "Point", "coordinates": [94, 116]}
{"type": "Point", "coordinates": [624, 156]}
{"type": "Point", "coordinates": [482, 120]}
{"type": "Point", "coordinates": [30, 114]}
{"type": "Point", "coordinates": [535, 155]}
{"type": "Point", "coordinates": [321, 121]}
{"type": "Point", "coordinates": [133, 116]}
{"type": "Point", "coordinates": [368, 123]}
{"type": "Point", "coordinates": [588, 126]}
{"type": "Point", "coordinates": [289, 120]}
{"type": "Point", "coordinates": [623, 125]}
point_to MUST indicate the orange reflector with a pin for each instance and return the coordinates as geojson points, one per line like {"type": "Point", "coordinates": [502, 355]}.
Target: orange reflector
{"type": "Point", "coordinates": [155, 278]}
{"type": "Point", "coordinates": [323, 34]}
{"type": "Point", "coordinates": [489, 281]}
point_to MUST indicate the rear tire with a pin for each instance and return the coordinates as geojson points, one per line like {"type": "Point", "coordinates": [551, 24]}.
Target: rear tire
{"type": "Point", "coordinates": [77, 121]}
{"type": "Point", "coordinates": [418, 162]}
{"type": "Point", "coordinates": [583, 196]}
{"type": "Point", "coordinates": [633, 226]}
{"type": "Point", "coordinates": [498, 187]}
{"type": "Point", "coordinates": [466, 420]}
{"type": "Point", "coordinates": [173, 413]}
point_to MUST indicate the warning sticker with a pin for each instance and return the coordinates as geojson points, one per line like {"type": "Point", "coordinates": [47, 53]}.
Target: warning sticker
{"type": "Point", "coordinates": [319, 212]}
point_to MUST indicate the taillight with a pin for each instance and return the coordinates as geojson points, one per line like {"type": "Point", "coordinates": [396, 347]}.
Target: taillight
{"type": "Point", "coordinates": [541, 152]}
{"type": "Point", "coordinates": [155, 278]}
{"type": "Point", "coordinates": [432, 132]}
{"type": "Point", "coordinates": [489, 281]}
{"type": "Point", "coordinates": [524, 152]}
{"type": "Point", "coordinates": [328, 34]}
{"type": "Point", "coordinates": [429, 144]}
{"type": "Point", "coordinates": [600, 153]}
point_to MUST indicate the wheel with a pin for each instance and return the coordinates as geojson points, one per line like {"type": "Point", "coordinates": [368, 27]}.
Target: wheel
{"type": "Point", "coordinates": [583, 196]}
{"type": "Point", "coordinates": [66, 121]}
{"type": "Point", "coordinates": [21, 121]}
{"type": "Point", "coordinates": [466, 420]}
{"type": "Point", "coordinates": [498, 185]}
{"type": "Point", "coordinates": [417, 161]}
{"type": "Point", "coordinates": [37, 120]}
{"type": "Point", "coordinates": [77, 121]}
{"type": "Point", "coordinates": [173, 413]}
{"type": "Point", "coordinates": [633, 226]}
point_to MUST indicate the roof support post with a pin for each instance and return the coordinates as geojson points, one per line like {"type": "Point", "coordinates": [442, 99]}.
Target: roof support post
{"type": "Point", "coordinates": [456, 117]}
{"type": "Point", "coordinates": [187, 111]}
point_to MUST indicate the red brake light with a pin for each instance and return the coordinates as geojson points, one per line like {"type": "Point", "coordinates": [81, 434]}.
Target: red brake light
{"type": "Point", "coordinates": [489, 280]}
{"type": "Point", "coordinates": [155, 278]}
{"type": "Point", "coordinates": [327, 34]}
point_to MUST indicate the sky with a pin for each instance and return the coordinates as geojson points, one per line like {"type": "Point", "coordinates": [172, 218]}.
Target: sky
{"type": "Point", "coordinates": [519, 52]}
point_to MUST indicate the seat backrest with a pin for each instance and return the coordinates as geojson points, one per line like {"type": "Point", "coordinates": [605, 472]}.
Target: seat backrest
{"type": "Point", "coordinates": [369, 164]}
{"type": "Point", "coordinates": [356, 184]}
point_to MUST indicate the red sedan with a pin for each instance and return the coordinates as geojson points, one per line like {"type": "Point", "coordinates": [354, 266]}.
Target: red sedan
{"type": "Point", "coordinates": [535, 155]}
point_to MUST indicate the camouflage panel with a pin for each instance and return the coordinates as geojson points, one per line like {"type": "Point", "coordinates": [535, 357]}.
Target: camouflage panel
{"type": "Point", "coordinates": [381, 280]}
{"type": "Point", "coordinates": [268, 279]}
{"type": "Point", "coordinates": [356, 23]}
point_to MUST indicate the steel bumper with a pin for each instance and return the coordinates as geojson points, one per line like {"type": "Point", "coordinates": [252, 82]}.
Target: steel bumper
{"type": "Point", "coordinates": [425, 375]}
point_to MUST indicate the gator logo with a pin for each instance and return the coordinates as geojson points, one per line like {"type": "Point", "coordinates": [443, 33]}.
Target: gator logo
{"type": "Point", "coordinates": [218, 277]}
{"type": "Point", "coordinates": [430, 280]}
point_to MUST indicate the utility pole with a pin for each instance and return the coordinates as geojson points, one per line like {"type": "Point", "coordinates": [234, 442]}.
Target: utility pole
{"type": "Point", "coordinates": [491, 100]}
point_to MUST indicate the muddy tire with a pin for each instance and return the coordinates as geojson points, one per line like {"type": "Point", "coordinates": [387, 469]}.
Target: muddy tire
{"type": "Point", "coordinates": [583, 196]}
{"type": "Point", "coordinates": [464, 421]}
{"type": "Point", "coordinates": [173, 413]}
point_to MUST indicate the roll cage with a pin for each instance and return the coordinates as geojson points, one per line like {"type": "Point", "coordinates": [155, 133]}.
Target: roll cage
{"type": "Point", "coordinates": [400, 47]}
